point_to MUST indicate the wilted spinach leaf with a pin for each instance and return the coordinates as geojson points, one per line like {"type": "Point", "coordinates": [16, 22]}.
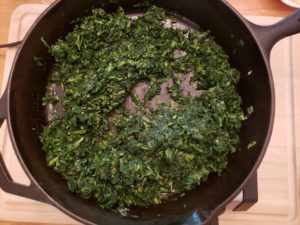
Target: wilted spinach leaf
{"type": "Point", "coordinates": [150, 155]}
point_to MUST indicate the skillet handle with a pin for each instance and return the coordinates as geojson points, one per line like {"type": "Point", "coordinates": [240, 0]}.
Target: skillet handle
{"type": "Point", "coordinates": [268, 36]}
{"type": "Point", "coordinates": [6, 182]}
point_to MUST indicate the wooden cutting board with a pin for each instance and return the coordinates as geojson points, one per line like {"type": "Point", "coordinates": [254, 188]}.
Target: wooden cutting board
{"type": "Point", "coordinates": [278, 193]}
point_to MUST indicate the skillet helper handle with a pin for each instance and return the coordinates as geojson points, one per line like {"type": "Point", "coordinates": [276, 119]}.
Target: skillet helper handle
{"type": "Point", "coordinates": [268, 36]}
{"type": "Point", "coordinates": [6, 182]}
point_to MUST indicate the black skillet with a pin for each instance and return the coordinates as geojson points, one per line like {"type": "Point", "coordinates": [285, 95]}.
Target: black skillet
{"type": "Point", "coordinates": [249, 48]}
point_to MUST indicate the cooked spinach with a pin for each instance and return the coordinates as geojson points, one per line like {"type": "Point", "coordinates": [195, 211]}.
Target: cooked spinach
{"type": "Point", "coordinates": [251, 144]}
{"type": "Point", "coordinates": [150, 155]}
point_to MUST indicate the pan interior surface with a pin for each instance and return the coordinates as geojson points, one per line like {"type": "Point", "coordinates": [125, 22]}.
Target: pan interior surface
{"type": "Point", "coordinates": [28, 86]}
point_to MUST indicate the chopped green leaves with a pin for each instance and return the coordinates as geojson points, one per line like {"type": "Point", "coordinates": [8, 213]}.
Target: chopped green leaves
{"type": "Point", "coordinates": [250, 110]}
{"type": "Point", "coordinates": [120, 157]}
{"type": "Point", "coordinates": [251, 144]}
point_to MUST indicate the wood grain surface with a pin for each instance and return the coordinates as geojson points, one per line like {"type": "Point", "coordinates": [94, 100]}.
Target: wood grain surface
{"type": "Point", "coordinates": [246, 7]}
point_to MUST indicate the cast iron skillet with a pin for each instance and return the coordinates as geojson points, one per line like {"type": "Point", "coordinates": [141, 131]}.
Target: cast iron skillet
{"type": "Point", "coordinates": [21, 108]}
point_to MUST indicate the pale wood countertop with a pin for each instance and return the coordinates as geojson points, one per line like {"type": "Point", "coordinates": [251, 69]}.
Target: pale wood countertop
{"type": "Point", "coordinates": [246, 7]}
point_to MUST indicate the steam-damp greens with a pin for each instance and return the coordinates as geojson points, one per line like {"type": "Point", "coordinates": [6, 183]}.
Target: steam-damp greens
{"type": "Point", "coordinates": [129, 132]}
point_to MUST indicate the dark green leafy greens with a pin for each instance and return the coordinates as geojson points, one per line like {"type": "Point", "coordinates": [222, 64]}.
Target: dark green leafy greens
{"type": "Point", "coordinates": [122, 157]}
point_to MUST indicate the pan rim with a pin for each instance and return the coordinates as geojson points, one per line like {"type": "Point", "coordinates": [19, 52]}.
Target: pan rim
{"type": "Point", "coordinates": [218, 208]}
